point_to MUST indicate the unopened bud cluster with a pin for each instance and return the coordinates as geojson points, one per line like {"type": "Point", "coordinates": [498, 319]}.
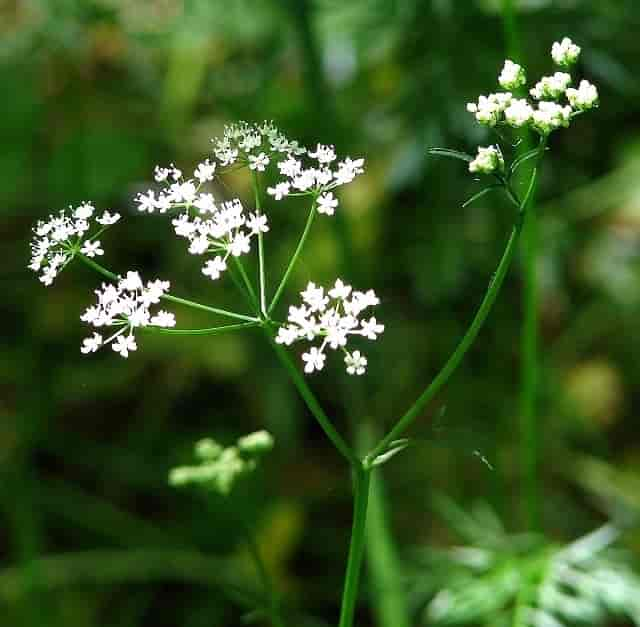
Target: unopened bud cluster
{"type": "Point", "coordinates": [547, 111]}
{"type": "Point", "coordinates": [219, 467]}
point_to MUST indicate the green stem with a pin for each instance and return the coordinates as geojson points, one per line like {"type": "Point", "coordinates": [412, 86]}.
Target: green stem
{"type": "Point", "coordinates": [261, 277]}
{"type": "Point", "coordinates": [294, 259]}
{"type": "Point", "coordinates": [472, 332]}
{"type": "Point", "coordinates": [210, 331]}
{"type": "Point", "coordinates": [361, 483]}
{"type": "Point", "coordinates": [248, 285]}
{"type": "Point", "coordinates": [263, 574]}
{"type": "Point", "coordinates": [174, 299]}
{"type": "Point", "coordinates": [311, 401]}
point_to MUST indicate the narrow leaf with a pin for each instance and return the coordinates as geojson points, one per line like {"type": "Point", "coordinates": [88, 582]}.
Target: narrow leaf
{"type": "Point", "coordinates": [480, 194]}
{"type": "Point", "coordinates": [525, 156]}
{"type": "Point", "coordinates": [454, 154]}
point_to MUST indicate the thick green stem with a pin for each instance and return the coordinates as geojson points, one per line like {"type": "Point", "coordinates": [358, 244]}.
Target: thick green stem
{"type": "Point", "coordinates": [311, 401]}
{"type": "Point", "coordinates": [261, 277]}
{"type": "Point", "coordinates": [294, 259]}
{"type": "Point", "coordinates": [361, 483]}
{"type": "Point", "coordinates": [472, 332]}
{"type": "Point", "coordinates": [168, 297]}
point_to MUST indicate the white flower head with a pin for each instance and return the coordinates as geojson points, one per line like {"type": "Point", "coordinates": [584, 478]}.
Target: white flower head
{"type": "Point", "coordinates": [518, 113]}
{"type": "Point", "coordinates": [550, 116]}
{"type": "Point", "coordinates": [327, 203]}
{"type": "Point", "coordinates": [57, 240]}
{"type": "Point", "coordinates": [583, 98]}
{"type": "Point", "coordinates": [125, 307]}
{"type": "Point", "coordinates": [512, 75]}
{"type": "Point", "coordinates": [488, 110]}
{"type": "Point", "coordinates": [331, 318]}
{"type": "Point", "coordinates": [551, 87]}
{"type": "Point", "coordinates": [565, 52]}
{"type": "Point", "coordinates": [488, 160]}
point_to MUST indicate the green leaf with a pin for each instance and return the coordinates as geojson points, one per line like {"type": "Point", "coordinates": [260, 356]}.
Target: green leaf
{"type": "Point", "coordinates": [480, 194]}
{"type": "Point", "coordinates": [525, 156]}
{"type": "Point", "coordinates": [453, 154]}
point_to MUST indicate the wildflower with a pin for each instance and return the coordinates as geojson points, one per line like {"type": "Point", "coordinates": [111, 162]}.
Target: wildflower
{"type": "Point", "coordinates": [551, 86]}
{"type": "Point", "coordinates": [205, 171]}
{"type": "Point", "coordinates": [487, 160]}
{"type": "Point", "coordinates": [331, 316]}
{"type": "Point", "coordinates": [125, 307]}
{"type": "Point", "coordinates": [58, 239]}
{"type": "Point", "coordinates": [512, 75]}
{"type": "Point", "coordinates": [279, 191]}
{"type": "Point", "coordinates": [327, 203]}
{"type": "Point", "coordinates": [258, 162]}
{"type": "Point", "coordinates": [550, 116]}
{"type": "Point", "coordinates": [583, 98]}
{"type": "Point", "coordinates": [488, 110]}
{"type": "Point", "coordinates": [518, 113]}
{"type": "Point", "coordinates": [565, 53]}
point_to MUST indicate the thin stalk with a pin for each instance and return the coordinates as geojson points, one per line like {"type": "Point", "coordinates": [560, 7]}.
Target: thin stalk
{"type": "Point", "coordinates": [174, 299]}
{"type": "Point", "coordinates": [294, 259]}
{"type": "Point", "coordinates": [210, 331]}
{"type": "Point", "coordinates": [311, 401]}
{"type": "Point", "coordinates": [263, 574]}
{"type": "Point", "coordinates": [472, 332]}
{"type": "Point", "coordinates": [248, 285]}
{"type": "Point", "coordinates": [361, 483]}
{"type": "Point", "coordinates": [261, 277]}
{"type": "Point", "coordinates": [529, 337]}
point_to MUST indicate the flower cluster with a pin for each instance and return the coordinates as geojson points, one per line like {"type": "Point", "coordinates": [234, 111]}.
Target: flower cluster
{"type": "Point", "coordinates": [58, 239]}
{"type": "Point", "coordinates": [332, 316]}
{"type": "Point", "coordinates": [487, 160]}
{"type": "Point", "coordinates": [253, 144]}
{"type": "Point", "coordinates": [317, 177]}
{"type": "Point", "coordinates": [223, 230]}
{"type": "Point", "coordinates": [221, 467]}
{"type": "Point", "coordinates": [125, 307]}
{"type": "Point", "coordinates": [546, 112]}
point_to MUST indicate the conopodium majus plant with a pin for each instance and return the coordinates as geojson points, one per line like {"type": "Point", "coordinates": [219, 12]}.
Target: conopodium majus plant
{"type": "Point", "coordinates": [328, 319]}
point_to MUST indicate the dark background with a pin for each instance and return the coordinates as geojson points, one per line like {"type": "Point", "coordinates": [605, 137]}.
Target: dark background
{"type": "Point", "coordinates": [95, 93]}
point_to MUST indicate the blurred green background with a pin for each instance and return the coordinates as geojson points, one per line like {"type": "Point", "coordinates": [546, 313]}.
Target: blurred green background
{"type": "Point", "coordinates": [96, 92]}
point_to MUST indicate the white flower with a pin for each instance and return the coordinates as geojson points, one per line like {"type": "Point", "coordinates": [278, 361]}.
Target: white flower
{"type": "Point", "coordinates": [324, 154]}
{"type": "Point", "coordinates": [58, 239]}
{"type": "Point", "coordinates": [146, 202]}
{"type": "Point", "coordinates": [124, 344]}
{"type": "Point", "coordinates": [91, 249]}
{"type": "Point", "coordinates": [125, 306]}
{"type": "Point", "coordinates": [583, 98]}
{"type": "Point", "coordinates": [279, 191]}
{"type": "Point", "coordinates": [214, 267]}
{"type": "Point", "coordinates": [205, 171]}
{"type": "Point", "coordinates": [259, 162]}
{"type": "Point", "coordinates": [164, 319]}
{"type": "Point", "coordinates": [551, 86]}
{"type": "Point", "coordinates": [205, 203]}
{"type": "Point", "coordinates": [257, 223]}
{"type": "Point", "coordinates": [91, 344]}
{"type": "Point", "coordinates": [549, 116]}
{"type": "Point", "coordinates": [512, 75]}
{"type": "Point", "coordinates": [565, 53]}
{"type": "Point", "coordinates": [107, 219]}
{"type": "Point", "coordinates": [489, 109]}
{"type": "Point", "coordinates": [487, 160]}
{"type": "Point", "coordinates": [518, 113]}
{"type": "Point", "coordinates": [356, 363]}
{"type": "Point", "coordinates": [314, 360]}
{"type": "Point", "coordinates": [332, 317]}
{"type": "Point", "coordinates": [327, 203]}
{"type": "Point", "coordinates": [239, 244]}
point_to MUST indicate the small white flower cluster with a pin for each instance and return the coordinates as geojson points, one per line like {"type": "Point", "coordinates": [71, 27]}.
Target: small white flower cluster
{"type": "Point", "coordinates": [317, 178]}
{"type": "Point", "coordinates": [332, 315]}
{"type": "Point", "coordinates": [225, 230]}
{"type": "Point", "coordinates": [221, 467]}
{"type": "Point", "coordinates": [551, 86]}
{"type": "Point", "coordinates": [253, 145]}
{"type": "Point", "coordinates": [565, 53]}
{"type": "Point", "coordinates": [545, 115]}
{"type": "Point", "coordinates": [178, 191]}
{"type": "Point", "coordinates": [126, 307]}
{"type": "Point", "coordinates": [487, 160]}
{"type": "Point", "coordinates": [512, 75]}
{"type": "Point", "coordinates": [58, 239]}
